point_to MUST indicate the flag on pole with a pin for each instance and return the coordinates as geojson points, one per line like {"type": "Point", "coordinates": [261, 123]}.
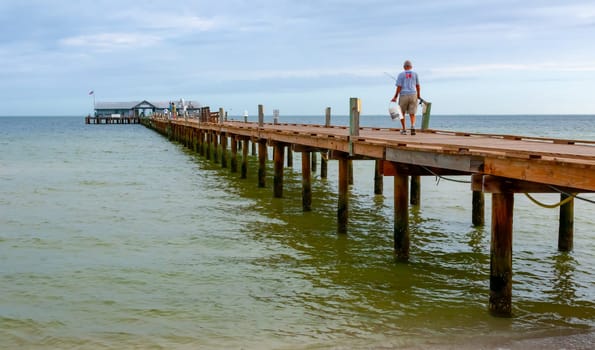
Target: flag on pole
{"type": "Point", "coordinates": [91, 92]}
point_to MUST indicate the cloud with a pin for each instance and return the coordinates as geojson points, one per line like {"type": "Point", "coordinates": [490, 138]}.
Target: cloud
{"type": "Point", "coordinates": [491, 68]}
{"type": "Point", "coordinates": [111, 41]}
{"type": "Point", "coordinates": [185, 23]}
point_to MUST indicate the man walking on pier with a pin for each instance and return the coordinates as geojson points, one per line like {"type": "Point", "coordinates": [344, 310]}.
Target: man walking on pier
{"type": "Point", "coordinates": [408, 92]}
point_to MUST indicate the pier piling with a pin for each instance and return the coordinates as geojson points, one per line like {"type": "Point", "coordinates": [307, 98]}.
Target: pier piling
{"type": "Point", "coordinates": [244, 166]}
{"type": "Point", "coordinates": [378, 177]}
{"type": "Point", "coordinates": [262, 157]}
{"type": "Point", "coordinates": [343, 203]}
{"type": "Point", "coordinates": [278, 159]}
{"type": "Point", "coordinates": [566, 225]}
{"type": "Point", "coordinates": [401, 220]}
{"type": "Point", "coordinates": [234, 154]}
{"type": "Point", "coordinates": [306, 182]}
{"type": "Point", "coordinates": [478, 210]}
{"type": "Point", "coordinates": [500, 303]}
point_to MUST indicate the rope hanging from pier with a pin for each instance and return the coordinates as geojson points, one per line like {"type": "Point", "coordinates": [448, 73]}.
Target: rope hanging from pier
{"type": "Point", "coordinates": [572, 195]}
{"type": "Point", "coordinates": [550, 206]}
{"type": "Point", "coordinates": [440, 177]}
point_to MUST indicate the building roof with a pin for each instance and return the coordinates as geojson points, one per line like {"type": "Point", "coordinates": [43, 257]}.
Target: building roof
{"type": "Point", "coordinates": [141, 104]}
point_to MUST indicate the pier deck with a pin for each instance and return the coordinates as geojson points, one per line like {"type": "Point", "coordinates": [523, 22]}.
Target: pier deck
{"type": "Point", "coordinates": [498, 164]}
{"type": "Point", "coordinates": [567, 163]}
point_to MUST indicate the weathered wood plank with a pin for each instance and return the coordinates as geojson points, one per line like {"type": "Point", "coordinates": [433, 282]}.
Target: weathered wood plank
{"type": "Point", "coordinates": [466, 163]}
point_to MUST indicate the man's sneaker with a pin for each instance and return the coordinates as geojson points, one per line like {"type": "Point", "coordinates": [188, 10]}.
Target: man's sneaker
{"type": "Point", "coordinates": [403, 132]}
{"type": "Point", "coordinates": [412, 131]}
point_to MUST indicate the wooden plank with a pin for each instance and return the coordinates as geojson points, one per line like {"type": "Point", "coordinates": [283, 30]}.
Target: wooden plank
{"type": "Point", "coordinates": [301, 148]}
{"type": "Point", "coordinates": [571, 175]}
{"type": "Point", "coordinates": [496, 184]}
{"type": "Point", "coordinates": [467, 163]}
{"type": "Point", "coordinates": [391, 169]}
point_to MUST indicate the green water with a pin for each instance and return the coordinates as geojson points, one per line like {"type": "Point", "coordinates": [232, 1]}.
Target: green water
{"type": "Point", "coordinates": [112, 237]}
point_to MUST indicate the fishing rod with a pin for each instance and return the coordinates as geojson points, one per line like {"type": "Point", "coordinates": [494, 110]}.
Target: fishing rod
{"type": "Point", "coordinates": [391, 76]}
{"type": "Point", "coordinates": [421, 100]}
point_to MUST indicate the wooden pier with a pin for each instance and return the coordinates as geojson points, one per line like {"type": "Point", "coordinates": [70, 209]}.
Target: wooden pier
{"type": "Point", "coordinates": [112, 120]}
{"type": "Point", "coordinates": [498, 164]}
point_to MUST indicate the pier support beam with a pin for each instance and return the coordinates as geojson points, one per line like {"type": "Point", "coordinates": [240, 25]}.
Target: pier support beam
{"type": "Point", "coordinates": [566, 228]}
{"type": "Point", "coordinates": [289, 157]}
{"type": "Point", "coordinates": [415, 190]}
{"type": "Point", "coordinates": [278, 160]}
{"type": "Point", "coordinates": [201, 143]}
{"type": "Point", "coordinates": [234, 154]}
{"type": "Point", "coordinates": [306, 182]}
{"type": "Point", "coordinates": [244, 167]}
{"type": "Point", "coordinates": [262, 157]}
{"type": "Point", "coordinates": [401, 208]}
{"type": "Point", "coordinates": [501, 254]}
{"type": "Point", "coordinates": [314, 161]}
{"type": "Point", "coordinates": [323, 165]}
{"type": "Point", "coordinates": [215, 147]}
{"type": "Point", "coordinates": [343, 207]}
{"type": "Point", "coordinates": [378, 177]}
{"type": "Point", "coordinates": [209, 145]}
{"type": "Point", "coordinates": [223, 149]}
{"type": "Point", "coordinates": [478, 211]}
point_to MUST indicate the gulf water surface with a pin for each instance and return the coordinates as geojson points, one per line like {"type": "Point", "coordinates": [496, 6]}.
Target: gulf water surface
{"type": "Point", "coordinates": [113, 237]}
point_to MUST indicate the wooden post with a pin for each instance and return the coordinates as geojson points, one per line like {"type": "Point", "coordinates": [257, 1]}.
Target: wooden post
{"type": "Point", "coordinates": [401, 208]}
{"type": "Point", "coordinates": [260, 116]}
{"type": "Point", "coordinates": [223, 149]}
{"type": "Point", "coordinates": [244, 168]}
{"type": "Point", "coordinates": [350, 172]}
{"type": "Point", "coordinates": [378, 178]}
{"type": "Point", "coordinates": [195, 140]}
{"type": "Point", "coordinates": [478, 211]}
{"type": "Point", "coordinates": [354, 111]}
{"type": "Point", "coordinates": [289, 157]}
{"type": "Point", "coordinates": [327, 119]}
{"type": "Point", "coordinates": [566, 228]}
{"type": "Point", "coordinates": [201, 142]}
{"type": "Point", "coordinates": [425, 121]}
{"type": "Point", "coordinates": [215, 147]}
{"type": "Point", "coordinates": [234, 154]}
{"type": "Point", "coordinates": [262, 157]}
{"type": "Point", "coordinates": [253, 148]}
{"type": "Point", "coordinates": [209, 143]}
{"type": "Point", "coordinates": [416, 180]}
{"type": "Point", "coordinates": [279, 158]}
{"type": "Point", "coordinates": [314, 161]}
{"type": "Point", "coordinates": [323, 164]}
{"type": "Point", "coordinates": [501, 254]}
{"type": "Point", "coordinates": [343, 208]}
{"type": "Point", "coordinates": [306, 182]}
{"type": "Point", "coordinates": [415, 190]}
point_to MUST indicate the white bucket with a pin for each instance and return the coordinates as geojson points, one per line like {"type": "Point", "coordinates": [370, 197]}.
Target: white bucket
{"type": "Point", "coordinates": [395, 111]}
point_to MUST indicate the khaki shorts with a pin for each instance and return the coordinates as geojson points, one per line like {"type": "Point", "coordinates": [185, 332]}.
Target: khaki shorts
{"type": "Point", "coordinates": [408, 104]}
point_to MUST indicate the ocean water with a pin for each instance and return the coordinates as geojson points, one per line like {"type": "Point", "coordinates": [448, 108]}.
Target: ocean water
{"type": "Point", "coordinates": [113, 237]}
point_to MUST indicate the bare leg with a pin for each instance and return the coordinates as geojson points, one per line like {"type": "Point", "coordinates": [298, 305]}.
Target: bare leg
{"type": "Point", "coordinates": [412, 117]}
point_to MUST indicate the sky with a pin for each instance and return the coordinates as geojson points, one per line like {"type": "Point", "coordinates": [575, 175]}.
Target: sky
{"type": "Point", "coordinates": [298, 56]}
